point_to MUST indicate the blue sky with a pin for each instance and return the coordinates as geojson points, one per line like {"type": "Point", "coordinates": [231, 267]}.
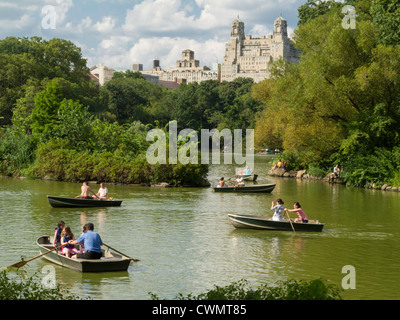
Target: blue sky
{"type": "Point", "coordinates": [119, 33]}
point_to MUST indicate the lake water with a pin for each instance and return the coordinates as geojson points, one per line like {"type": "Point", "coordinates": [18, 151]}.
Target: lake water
{"type": "Point", "coordinates": [186, 243]}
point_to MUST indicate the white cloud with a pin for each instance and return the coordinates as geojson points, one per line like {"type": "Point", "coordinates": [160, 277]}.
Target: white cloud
{"type": "Point", "coordinates": [106, 25]}
{"type": "Point", "coordinates": [122, 32]}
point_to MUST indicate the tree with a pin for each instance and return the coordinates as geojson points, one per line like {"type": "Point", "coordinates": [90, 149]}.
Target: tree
{"type": "Point", "coordinates": [47, 103]}
{"type": "Point", "coordinates": [386, 15]}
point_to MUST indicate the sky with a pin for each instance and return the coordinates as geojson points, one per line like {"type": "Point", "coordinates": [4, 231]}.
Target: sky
{"type": "Point", "coordinates": [120, 33]}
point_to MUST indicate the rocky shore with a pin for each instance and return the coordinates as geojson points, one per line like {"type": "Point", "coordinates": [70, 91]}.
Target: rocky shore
{"type": "Point", "coordinates": [330, 178]}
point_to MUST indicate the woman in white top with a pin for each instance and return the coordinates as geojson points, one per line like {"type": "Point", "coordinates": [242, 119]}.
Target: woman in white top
{"type": "Point", "coordinates": [278, 207]}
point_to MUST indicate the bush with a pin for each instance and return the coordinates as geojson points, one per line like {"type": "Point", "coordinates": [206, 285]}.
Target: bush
{"type": "Point", "coordinates": [22, 288]}
{"type": "Point", "coordinates": [283, 290]}
{"type": "Point", "coordinates": [56, 160]}
{"type": "Point", "coordinates": [379, 167]}
{"type": "Point", "coordinates": [316, 171]}
{"type": "Point", "coordinates": [17, 152]}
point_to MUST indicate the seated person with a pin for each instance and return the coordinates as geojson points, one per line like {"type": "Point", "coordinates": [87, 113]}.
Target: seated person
{"type": "Point", "coordinates": [221, 183]}
{"type": "Point", "coordinates": [85, 190]}
{"type": "Point", "coordinates": [302, 216]}
{"type": "Point", "coordinates": [92, 241]}
{"type": "Point", "coordinates": [67, 250]}
{"type": "Point", "coordinates": [239, 182]}
{"type": "Point", "coordinates": [336, 171]}
{"type": "Point", "coordinates": [103, 191]}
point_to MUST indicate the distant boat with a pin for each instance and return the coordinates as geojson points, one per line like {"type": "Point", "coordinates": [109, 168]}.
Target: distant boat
{"type": "Point", "coordinates": [257, 188]}
{"type": "Point", "coordinates": [66, 202]}
{"type": "Point", "coordinates": [246, 174]}
{"type": "Point", "coordinates": [249, 177]}
{"type": "Point", "coordinates": [109, 262]}
{"type": "Point", "coordinates": [264, 223]}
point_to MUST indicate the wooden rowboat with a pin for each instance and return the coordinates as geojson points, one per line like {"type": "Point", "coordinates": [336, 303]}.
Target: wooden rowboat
{"type": "Point", "coordinates": [109, 262]}
{"type": "Point", "coordinates": [249, 177]}
{"type": "Point", "coordinates": [66, 202]}
{"type": "Point", "coordinates": [257, 188]}
{"type": "Point", "coordinates": [264, 223]}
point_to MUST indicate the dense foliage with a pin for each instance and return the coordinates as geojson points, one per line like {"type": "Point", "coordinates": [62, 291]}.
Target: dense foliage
{"type": "Point", "coordinates": [341, 103]}
{"type": "Point", "coordinates": [283, 290]}
{"type": "Point", "coordinates": [58, 124]}
{"type": "Point", "coordinates": [16, 286]}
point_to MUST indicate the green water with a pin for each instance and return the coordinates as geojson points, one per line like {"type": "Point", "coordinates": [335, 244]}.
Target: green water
{"type": "Point", "coordinates": [186, 244]}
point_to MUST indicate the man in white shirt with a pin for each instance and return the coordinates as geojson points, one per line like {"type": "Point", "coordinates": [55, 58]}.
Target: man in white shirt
{"type": "Point", "coordinates": [103, 191]}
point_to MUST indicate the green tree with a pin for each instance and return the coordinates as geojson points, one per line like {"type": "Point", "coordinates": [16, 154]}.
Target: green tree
{"type": "Point", "coordinates": [47, 103]}
{"type": "Point", "coordinates": [386, 15]}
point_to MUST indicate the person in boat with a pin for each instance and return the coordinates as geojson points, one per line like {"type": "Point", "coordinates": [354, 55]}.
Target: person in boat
{"type": "Point", "coordinates": [247, 171]}
{"type": "Point", "coordinates": [92, 241]}
{"type": "Point", "coordinates": [302, 216]}
{"type": "Point", "coordinates": [239, 182]}
{"type": "Point", "coordinates": [221, 183]}
{"type": "Point", "coordinates": [57, 233]}
{"type": "Point", "coordinates": [103, 191]}
{"type": "Point", "coordinates": [85, 190]}
{"type": "Point", "coordinates": [278, 206]}
{"type": "Point", "coordinates": [68, 250]}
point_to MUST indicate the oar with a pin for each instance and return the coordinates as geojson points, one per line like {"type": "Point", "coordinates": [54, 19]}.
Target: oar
{"type": "Point", "coordinates": [287, 213]}
{"type": "Point", "coordinates": [120, 252]}
{"type": "Point", "coordinates": [23, 262]}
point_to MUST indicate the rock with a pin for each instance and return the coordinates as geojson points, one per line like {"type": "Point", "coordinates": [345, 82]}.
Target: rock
{"type": "Point", "coordinates": [384, 187]}
{"type": "Point", "coordinates": [161, 185]}
{"type": "Point", "coordinates": [276, 172]}
{"type": "Point", "coordinates": [300, 173]}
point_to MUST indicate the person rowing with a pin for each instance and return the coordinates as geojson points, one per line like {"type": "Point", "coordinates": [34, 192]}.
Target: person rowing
{"type": "Point", "coordinates": [85, 190]}
{"type": "Point", "coordinates": [302, 216]}
{"type": "Point", "coordinates": [103, 191]}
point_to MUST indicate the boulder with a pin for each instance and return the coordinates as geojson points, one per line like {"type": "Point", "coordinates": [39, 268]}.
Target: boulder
{"type": "Point", "coordinates": [300, 173]}
{"type": "Point", "coordinates": [276, 172]}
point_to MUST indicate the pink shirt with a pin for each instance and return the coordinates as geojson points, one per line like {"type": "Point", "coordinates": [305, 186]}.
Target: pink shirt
{"type": "Point", "coordinates": [301, 213]}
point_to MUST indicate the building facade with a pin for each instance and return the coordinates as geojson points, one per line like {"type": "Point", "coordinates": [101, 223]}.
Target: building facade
{"type": "Point", "coordinates": [187, 70]}
{"type": "Point", "coordinates": [249, 57]}
{"type": "Point", "coordinates": [102, 73]}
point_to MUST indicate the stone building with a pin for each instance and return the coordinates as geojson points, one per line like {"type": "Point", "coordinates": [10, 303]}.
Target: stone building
{"type": "Point", "coordinates": [246, 56]}
{"type": "Point", "coordinates": [102, 73]}
{"type": "Point", "coordinates": [186, 70]}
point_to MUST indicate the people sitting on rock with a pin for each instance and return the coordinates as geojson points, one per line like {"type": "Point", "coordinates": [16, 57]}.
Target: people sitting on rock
{"type": "Point", "coordinates": [336, 171]}
{"type": "Point", "coordinates": [278, 165]}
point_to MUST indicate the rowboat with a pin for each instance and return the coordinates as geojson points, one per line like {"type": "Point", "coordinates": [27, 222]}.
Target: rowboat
{"type": "Point", "coordinates": [109, 262]}
{"type": "Point", "coordinates": [67, 202]}
{"type": "Point", "coordinates": [249, 177]}
{"type": "Point", "coordinates": [257, 188]}
{"type": "Point", "coordinates": [264, 223]}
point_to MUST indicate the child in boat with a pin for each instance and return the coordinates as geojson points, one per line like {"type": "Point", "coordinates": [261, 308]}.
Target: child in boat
{"type": "Point", "coordinates": [57, 233]}
{"type": "Point", "coordinates": [302, 216]}
{"type": "Point", "coordinates": [69, 249]}
{"type": "Point", "coordinates": [278, 207]}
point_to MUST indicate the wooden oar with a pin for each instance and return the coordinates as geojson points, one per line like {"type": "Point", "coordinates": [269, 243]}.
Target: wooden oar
{"type": "Point", "coordinates": [23, 262]}
{"type": "Point", "coordinates": [120, 252]}
{"type": "Point", "coordinates": [287, 213]}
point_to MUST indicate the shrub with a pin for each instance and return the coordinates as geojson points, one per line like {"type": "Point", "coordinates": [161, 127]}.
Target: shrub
{"type": "Point", "coordinates": [22, 288]}
{"type": "Point", "coordinates": [283, 290]}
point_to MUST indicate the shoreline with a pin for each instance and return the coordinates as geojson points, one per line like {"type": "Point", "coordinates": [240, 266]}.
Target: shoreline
{"type": "Point", "coordinates": [302, 174]}
{"type": "Point", "coordinates": [204, 184]}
